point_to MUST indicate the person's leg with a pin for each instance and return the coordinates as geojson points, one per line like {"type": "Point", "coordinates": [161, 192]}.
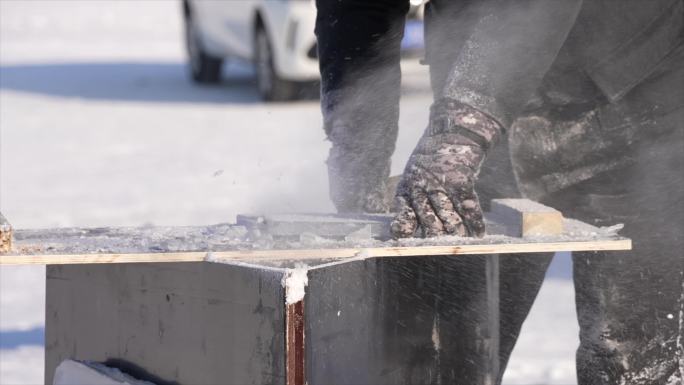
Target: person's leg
{"type": "Point", "coordinates": [435, 312]}
{"type": "Point", "coordinates": [359, 45]}
{"type": "Point", "coordinates": [521, 275]}
{"type": "Point", "coordinates": [462, 292]}
{"type": "Point", "coordinates": [630, 304]}
{"type": "Point", "coordinates": [462, 317]}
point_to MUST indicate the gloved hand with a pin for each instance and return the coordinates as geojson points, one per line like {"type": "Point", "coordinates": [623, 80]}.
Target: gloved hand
{"type": "Point", "coordinates": [436, 195]}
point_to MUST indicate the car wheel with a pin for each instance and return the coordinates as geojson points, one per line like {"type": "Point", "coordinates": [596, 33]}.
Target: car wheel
{"type": "Point", "coordinates": [271, 86]}
{"type": "Point", "coordinates": [204, 67]}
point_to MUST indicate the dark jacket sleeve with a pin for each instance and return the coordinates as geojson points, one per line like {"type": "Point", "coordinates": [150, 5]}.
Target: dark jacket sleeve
{"type": "Point", "coordinates": [511, 48]}
{"type": "Point", "coordinates": [620, 43]}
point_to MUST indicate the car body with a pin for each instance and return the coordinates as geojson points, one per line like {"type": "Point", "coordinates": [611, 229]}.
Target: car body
{"type": "Point", "coordinates": [277, 35]}
{"type": "Point", "coordinates": [228, 28]}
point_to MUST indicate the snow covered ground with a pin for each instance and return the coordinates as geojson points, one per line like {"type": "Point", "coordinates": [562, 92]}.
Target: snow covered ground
{"type": "Point", "coordinates": [100, 126]}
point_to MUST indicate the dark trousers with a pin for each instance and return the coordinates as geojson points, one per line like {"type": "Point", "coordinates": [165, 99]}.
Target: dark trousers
{"type": "Point", "coordinates": [629, 304]}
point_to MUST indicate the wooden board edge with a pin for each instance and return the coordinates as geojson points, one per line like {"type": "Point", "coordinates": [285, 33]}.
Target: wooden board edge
{"type": "Point", "coordinates": [524, 217]}
{"type": "Point", "coordinates": [77, 259]}
{"type": "Point", "coordinates": [310, 254]}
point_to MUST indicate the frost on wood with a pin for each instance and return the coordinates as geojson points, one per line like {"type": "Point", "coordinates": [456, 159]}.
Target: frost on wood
{"type": "Point", "coordinates": [71, 372]}
{"type": "Point", "coordinates": [295, 281]}
{"type": "Point", "coordinates": [130, 239]}
{"type": "Point", "coordinates": [325, 238]}
{"type": "Point", "coordinates": [227, 237]}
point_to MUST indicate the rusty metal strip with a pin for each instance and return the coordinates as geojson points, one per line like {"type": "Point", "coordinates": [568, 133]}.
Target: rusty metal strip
{"type": "Point", "coordinates": [294, 345]}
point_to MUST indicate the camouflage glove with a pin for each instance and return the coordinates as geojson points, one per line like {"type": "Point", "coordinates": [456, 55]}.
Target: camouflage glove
{"type": "Point", "coordinates": [436, 195]}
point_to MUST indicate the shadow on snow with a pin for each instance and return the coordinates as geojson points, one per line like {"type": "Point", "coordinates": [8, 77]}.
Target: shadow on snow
{"type": "Point", "coordinates": [129, 81]}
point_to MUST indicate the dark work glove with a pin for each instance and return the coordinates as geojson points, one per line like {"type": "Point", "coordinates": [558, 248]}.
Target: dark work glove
{"type": "Point", "coordinates": [436, 195]}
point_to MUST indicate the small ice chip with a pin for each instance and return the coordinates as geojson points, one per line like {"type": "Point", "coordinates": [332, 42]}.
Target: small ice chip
{"type": "Point", "coordinates": [363, 253]}
{"type": "Point", "coordinates": [339, 312]}
{"type": "Point", "coordinates": [670, 316]}
{"type": "Point", "coordinates": [294, 281]}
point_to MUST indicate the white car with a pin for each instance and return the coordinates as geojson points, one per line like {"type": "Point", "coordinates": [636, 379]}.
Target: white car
{"type": "Point", "coordinates": [277, 35]}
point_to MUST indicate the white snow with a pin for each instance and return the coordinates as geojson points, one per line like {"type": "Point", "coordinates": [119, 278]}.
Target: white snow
{"type": "Point", "coordinates": [22, 298]}
{"type": "Point", "coordinates": [100, 126]}
{"type": "Point", "coordinates": [295, 282]}
{"type": "Point", "coordinates": [545, 351]}
{"type": "Point", "coordinates": [71, 372]}
{"type": "Point", "coordinates": [23, 365]}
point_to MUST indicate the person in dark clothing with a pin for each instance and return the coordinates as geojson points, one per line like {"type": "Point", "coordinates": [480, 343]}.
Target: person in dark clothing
{"type": "Point", "coordinates": [577, 104]}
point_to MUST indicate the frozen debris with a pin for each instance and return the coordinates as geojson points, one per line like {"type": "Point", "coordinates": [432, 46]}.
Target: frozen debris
{"type": "Point", "coordinates": [230, 237]}
{"type": "Point", "coordinates": [295, 281]}
{"type": "Point", "coordinates": [330, 226]}
{"type": "Point", "coordinates": [307, 238]}
{"type": "Point", "coordinates": [611, 230]}
{"type": "Point", "coordinates": [361, 234]}
{"type": "Point", "coordinates": [146, 239]}
{"type": "Point", "coordinates": [210, 257]}
{"type": "Point", "coordinates": [71, 372]}
{"type": "Point", "coordinates": [279, 266]}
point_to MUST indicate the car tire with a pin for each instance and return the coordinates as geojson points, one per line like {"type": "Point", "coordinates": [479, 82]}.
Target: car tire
{"type": "Point", "coordinates": [270, 85]}
{"type": "Point", "coordinates": [204, 68]}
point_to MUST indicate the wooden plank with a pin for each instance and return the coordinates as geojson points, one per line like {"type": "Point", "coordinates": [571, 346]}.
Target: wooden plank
{"type": "Point", "coordinates": [5, 235]}
{"type": "Point", "coordinates": [317, 254]}
{"type": "Point", "coordinates": [231, 242]}
{"type": "Point", "coordinates": [524, 218]}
